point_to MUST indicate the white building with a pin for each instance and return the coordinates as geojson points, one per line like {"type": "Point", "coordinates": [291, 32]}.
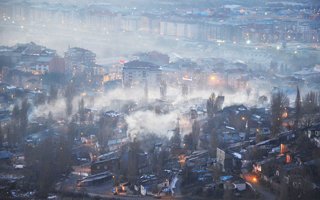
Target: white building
{"type": "Point", "coordinates": [138, 73]}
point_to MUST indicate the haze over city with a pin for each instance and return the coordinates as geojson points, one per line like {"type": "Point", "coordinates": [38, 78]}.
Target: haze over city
{"type": "Point", "coordinates": [145, 99]}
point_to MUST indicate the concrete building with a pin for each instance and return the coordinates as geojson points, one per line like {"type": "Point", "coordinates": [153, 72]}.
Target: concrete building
{"type": "Point", "coordinates": [79, 57]}
{"type": "Point", "coordinates": [138, 74]}
{"type": "Point", "coordinates": [45, 64]}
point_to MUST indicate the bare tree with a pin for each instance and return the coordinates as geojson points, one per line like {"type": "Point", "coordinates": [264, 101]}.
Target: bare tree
{"type": "Point", "coordinates": [176, 138]}
{"type": "Point", "coordinates": [81, 111]}
{"type": "Point", "coordinates": [195, 134]}
{"type": "Point", "coordinates": [46, 162]}
{"type": "Point", "coordinates": [279, 104]}
{"type": "Point", "coordinates": [23, 115]}
{"type": "Point", "coordinates": [133, 159]}
{"type": "Point", "coordinates": [163, 89]}
{"type": "Point", "coordinates": [262, 99]}
{"type": "Point", "coordinates": [184, 90]}
{"type": "Point", "coordinates": [13, 129]}
{"type": "Point", "coordinates": [310, 103]}
{"type": "Point", "coordinates": [19, 121]}
{"type": "Point", "coordinates": [214, 142]}
{"type": "Point", "coordinates": [310, 109]}
{"type": "Point", "coordinates": [210, 105]}
{"type": "Point", "coordinates": [40, 99]}
{"type": "Point", "coordinates": [69, 95]}
{"type": "Point", "coordinates": [53, 94]}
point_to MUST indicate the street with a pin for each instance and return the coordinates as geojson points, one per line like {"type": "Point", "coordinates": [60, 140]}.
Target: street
{"type": "Point", "coordinates": [256, 185]}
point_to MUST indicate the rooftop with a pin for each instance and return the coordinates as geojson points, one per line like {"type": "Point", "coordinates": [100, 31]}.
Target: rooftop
{"type": "Point", "coordinates": [136, 64]}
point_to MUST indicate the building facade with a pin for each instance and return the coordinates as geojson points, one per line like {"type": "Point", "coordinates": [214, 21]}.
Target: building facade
{"type": "Point", "coordinates": [139, 74]}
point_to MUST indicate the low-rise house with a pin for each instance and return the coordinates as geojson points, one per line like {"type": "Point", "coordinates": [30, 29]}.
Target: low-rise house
{"type": "Point", "coordinates": [150, 184]}
{"type": "Point", "coordinates": [264, 167]}
{"type": "Point", "coordinates": [197, 158]}
{"type": "Point", "coordinates": [231, 137]}
{"type": "Point", "coordinates": [5, 157]}
{"type": "Point", "coordinates": [36, 138]}
{"type": "Point", "coordinates": [116, 144]}
{"type": "Point", "coordinates": [95, 179]}
{"type": "Point", "coordinates": [224, 159]}
{"type": "Point", "coordinates": [111, 164]}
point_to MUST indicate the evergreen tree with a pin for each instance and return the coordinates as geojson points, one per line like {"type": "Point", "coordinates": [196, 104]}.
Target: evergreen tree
{"type": "Point", "coordinates": [297, 109]}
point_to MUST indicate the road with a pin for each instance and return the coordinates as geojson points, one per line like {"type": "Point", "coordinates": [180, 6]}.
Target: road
{"type": "Point", "coordinates": [256, 185]}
